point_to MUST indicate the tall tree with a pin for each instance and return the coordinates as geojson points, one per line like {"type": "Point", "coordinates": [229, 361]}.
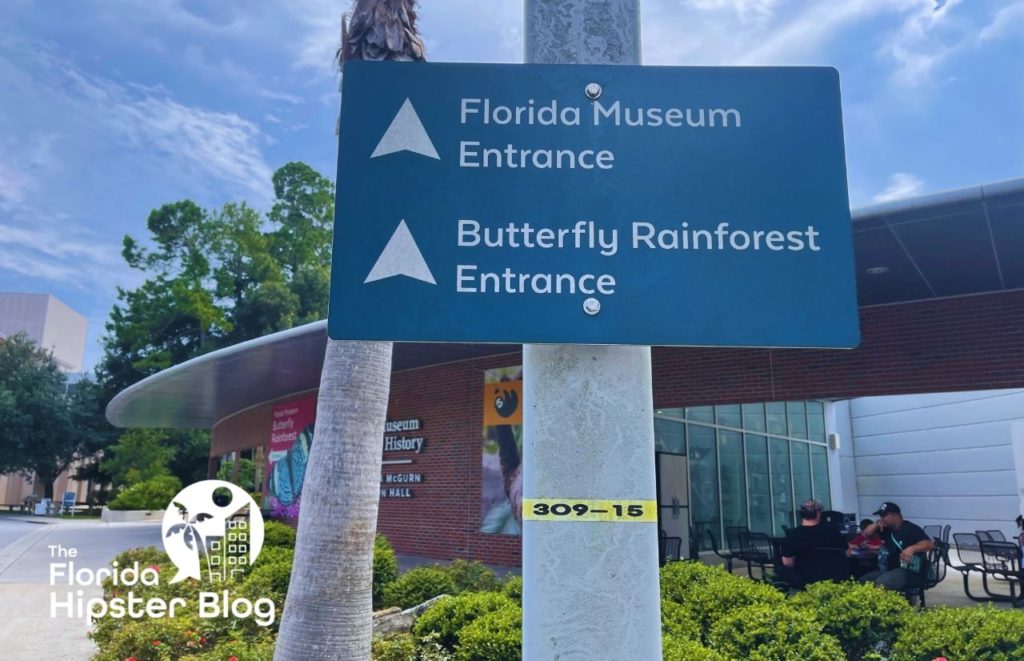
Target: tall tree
{"type": "Point", "coordinates": [328, 611]}
{"type": "Point", "coordinates": [219, 277]}
{"type": "Point", "coordinates": [44, 423]}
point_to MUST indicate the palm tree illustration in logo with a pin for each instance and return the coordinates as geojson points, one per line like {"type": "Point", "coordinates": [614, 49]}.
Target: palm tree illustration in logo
{"type": "Point", "coordinates": [190, 532]}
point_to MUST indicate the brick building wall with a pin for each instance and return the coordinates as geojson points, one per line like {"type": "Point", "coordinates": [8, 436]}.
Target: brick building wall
{"type": "Point", "coordinates": [969, 343]}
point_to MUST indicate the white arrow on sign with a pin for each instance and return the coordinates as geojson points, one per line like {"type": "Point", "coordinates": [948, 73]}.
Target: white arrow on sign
{"type": "Point", "coordinates": [401, 256]}
{"type": "Point", "coordinates": [406, 133]}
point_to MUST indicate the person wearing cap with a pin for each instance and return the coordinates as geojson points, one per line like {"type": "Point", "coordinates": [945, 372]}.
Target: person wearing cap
{"type": "Point", "coordinates": [806, 551]}
{"type": "Point", "coordinates": [902, 560]}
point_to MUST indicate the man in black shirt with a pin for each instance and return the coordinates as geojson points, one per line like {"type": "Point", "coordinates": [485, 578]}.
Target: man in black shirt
{"type": "Point", "coordinates": [903, 551]}
{"type": "Point", "coordinates": [813, 552]}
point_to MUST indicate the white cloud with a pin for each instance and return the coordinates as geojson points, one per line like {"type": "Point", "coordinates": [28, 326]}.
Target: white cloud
{"type": "Point", "coordinates": [749, 32]}
{"type": "Point", "coordinates": [55, 250]}
{"type": "Point", "coordinates": [13, 185]}
{"type": "Point", "coordinates": [901, 185]}
{"type": "Point", "coordinates": [1005, 21]}
{"type": "Point", "coordinates": [744, 9]}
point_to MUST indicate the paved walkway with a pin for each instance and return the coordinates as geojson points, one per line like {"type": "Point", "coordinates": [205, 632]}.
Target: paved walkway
{"type": "Point", "coordinates": [29, 631]}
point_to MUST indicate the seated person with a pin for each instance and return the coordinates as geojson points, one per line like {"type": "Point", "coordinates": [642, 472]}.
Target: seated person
{"type": "Point", "coordinates": [902, 558]}
{"type": "Point", "coordinates": [862, 542]}
{"type": "Point", "coordinates": [863, 550]}
{"type": "Point", "coordinates": [812, 552]}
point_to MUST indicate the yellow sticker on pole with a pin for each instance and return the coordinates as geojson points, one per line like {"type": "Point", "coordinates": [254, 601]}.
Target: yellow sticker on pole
{"type": "Point", "coordinates": [574, 509]}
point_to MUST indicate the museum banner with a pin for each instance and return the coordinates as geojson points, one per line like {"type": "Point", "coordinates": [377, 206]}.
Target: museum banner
{"type": "Point", "coordinates": [291, 437]}
{"type": "Point", "coordinates": [502, 475]}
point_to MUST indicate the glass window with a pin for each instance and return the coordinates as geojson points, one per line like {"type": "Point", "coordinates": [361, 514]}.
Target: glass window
{"type": "Point", "coordinates": [734, 483]}
{"type": "Point", "coordinates": [672, 413]}
{"type": "Point", "coordinates": [782, 484]}
{"type": "Point", "coordinates": [819, 473]}
{"type": "Point", "coordinates": [669, 436]}
{"type": "Point", "coordinates": [753, 417]}
{"type": "Point", "coordinates": [703, 461]}
{"type": "Point", "coordinates": [776, 412]}
{"type": "Point", "coordinates": [796, 414]}
{"type": "Point", "coordinates": [701, 414]}
{"type": "Point", "coordinates": [728, 416]}
{"type": "Point", "coordinates": [816, 421]}
{"type": "Point", "coordinates": [801, 472]}
{"type": "Point", "coordinates": [758, 489]}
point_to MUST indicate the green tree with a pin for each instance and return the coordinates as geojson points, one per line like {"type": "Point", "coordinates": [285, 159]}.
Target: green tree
{"type": "Point", "coordinates": [138, 455]}
{"type": "Point", "coordinates": [214, 278]}
{"type": "Point", "coordinates": [45, 424]}
{"type": "Point", "coordinates": [219, 277]}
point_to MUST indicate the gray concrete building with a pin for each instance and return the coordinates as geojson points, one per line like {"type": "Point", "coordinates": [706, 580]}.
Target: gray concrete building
{"type": "Point", "coordinates": [48, 322]}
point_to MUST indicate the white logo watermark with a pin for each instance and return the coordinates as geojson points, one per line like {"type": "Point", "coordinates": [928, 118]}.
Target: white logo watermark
{"type": "Point", "coordinates": [212, 523]}
{"type": "Point", "coordinates": [212, 531]}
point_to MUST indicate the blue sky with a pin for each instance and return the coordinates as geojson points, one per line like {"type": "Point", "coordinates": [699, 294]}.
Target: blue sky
{"type": "Point", "coordinates": [113, 107]}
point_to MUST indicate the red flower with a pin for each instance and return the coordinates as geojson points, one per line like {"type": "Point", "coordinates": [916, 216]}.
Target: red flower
{"type": "Point", "coordinates": [131, 658]}
{"type": "Point", "coordinates": [232, 658]}
{"type": "Point", "coordinates": [156, 642]}
{"type": "Point", "coordinates": [155, 568]}
{"type": "Point", "coordinates": [202, 641]}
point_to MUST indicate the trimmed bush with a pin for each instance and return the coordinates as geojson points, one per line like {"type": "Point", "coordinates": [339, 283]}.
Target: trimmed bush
{"type": "Point", "coordinates": [678, 622]}
{"type": "Point", "coordinates": [682, 649]}
{"type": "Point", "coordinates": [400, 647]}
{"type": "Point", "coordinates": [276, 533]}
{"type": "Point", "coordinates": [773, 631]}
{"type": "Point", "coordinates": [709, 593]}
{"type": "Point", "coordinates": [273, 575]}
{"type": "Point", "coordinates": [418, 585]}
{"type": "Point", "coordinates": [496, 636]}
{"type": "Point", "coordinates": [1000, 637]}
{"type": "Point", "coordinates": [513, 588]}
{"type": "Point", "coordinates": [385, 568]}
{"type": "Point", "coordinates": [961, 633]}
{"type": "Point", "coordinates": [448, 616]}
{"type": "Point", "coordinates": [153, 494]}
{"type": "Point", "coordinates": [472, 577]}
{"type": "Point", "coordinates": [862, 617]}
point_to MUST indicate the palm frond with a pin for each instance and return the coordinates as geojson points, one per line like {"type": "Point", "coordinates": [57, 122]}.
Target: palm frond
{"type": "Point", "coordinates": [382, 30]}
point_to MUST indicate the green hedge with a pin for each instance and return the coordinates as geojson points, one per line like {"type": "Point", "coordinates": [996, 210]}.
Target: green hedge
{"type": "Point", "coordinates": [862, 617]}
{"type": "Point", "coordinates": [495, 636]}
{"type": "Point", "coordinates": [513, 588]}
{"type": "Point", "coordinates": [418, 585]}
{"type": "Point", "coordinates": [962, 634]}
{"type": "Point", "coordinates": [683, 649]}
{"type": "Point", "coordinates": [773, 631]}
{"type": "Point", "coordinates": [276, 533]}
{"type": "Point", "coordinates": [448, 616]}
{"type": "Point", "coordinates": [152, 494]}
{"type": "Point", "coordinates": [709, 593]}
{"type": "Point", "coordinates": [385, 568]}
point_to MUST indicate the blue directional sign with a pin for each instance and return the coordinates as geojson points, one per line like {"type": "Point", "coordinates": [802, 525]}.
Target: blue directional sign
{"type": "Point", "coordinates": [577, 204]}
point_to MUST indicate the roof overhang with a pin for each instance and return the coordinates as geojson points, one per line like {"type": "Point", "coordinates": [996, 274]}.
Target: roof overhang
{"type": "Point", "coordinates": [962, 242]}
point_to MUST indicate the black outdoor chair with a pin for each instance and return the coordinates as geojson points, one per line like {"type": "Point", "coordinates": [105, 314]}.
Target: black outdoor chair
{"type": "Point", "coordinates": [669, 549]}
{"type": "Point", "coordinates": [934, 572]}
{"type": "Point", "coordinates": [935, 531]}
{"type": "Point", "coordinates": [732, 537]}
{"type": "Point", "coordinates": [945, 533]}
{"type": "Point", "coordinates": [990, 535]}
{"type": "Point", "coordinates": [756, 550]}
{"type": "Point", "coordinates": [1001, 560]}
{"type": "Point", "coordinates": [833, 518]}
{"type": "Point", "coordinates": [726, 556]}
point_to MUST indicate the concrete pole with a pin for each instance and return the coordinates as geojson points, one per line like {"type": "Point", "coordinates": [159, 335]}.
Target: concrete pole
{"type": "Point", "coordinates": [590, 588]}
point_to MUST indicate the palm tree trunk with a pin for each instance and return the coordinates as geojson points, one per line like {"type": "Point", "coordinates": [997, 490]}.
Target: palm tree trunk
{"type": "Point", "coordinates": [328, 610]}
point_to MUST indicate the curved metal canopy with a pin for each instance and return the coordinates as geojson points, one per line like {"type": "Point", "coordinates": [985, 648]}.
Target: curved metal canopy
{"type": "Point", "coordinates": [962, 242]}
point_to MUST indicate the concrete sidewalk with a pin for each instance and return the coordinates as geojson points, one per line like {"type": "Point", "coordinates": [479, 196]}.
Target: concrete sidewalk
{"type": "Point", "coordinates": [30, 632]}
